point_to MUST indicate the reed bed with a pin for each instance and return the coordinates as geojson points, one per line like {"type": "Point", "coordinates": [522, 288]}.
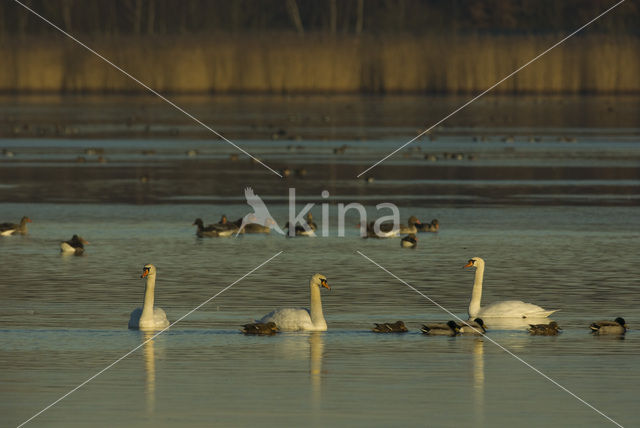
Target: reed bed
{"type": "Point", "coordinates": [284, 63]}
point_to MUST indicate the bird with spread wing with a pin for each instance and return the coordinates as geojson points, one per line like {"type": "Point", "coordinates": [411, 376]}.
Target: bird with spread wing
{"type": "Point", "coordinates": [260, 214]}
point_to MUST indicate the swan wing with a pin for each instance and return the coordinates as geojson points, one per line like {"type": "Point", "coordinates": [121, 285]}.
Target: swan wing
{"type": "Point", "coordinates": [290, 319]}
{"type": "Point", "coordinates": [514, 309]}
{"type": "Point", "coordinates": [160, 318]}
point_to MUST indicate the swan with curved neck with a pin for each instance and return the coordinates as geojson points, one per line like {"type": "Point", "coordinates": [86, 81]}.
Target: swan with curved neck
{"type": "Point", "coordinates": [505, 309]}
{"type": "Point", "coordinates": [294, 319]}
{"type": "Point", "coordinates": [148, 317]}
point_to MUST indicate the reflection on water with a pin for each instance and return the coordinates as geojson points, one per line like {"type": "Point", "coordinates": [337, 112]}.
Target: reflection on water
{"type": "Point", "coordinates": [65, 318]}
{"type": "Point", "coordinates": [478, 380]}
{"type": "Point", "coordinates": [316, 343]}
{"type": "Point", "coordinates": [150, 371]}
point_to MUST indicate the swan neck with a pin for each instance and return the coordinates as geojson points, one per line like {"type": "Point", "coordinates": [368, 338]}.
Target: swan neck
{"type": "Point", "coordinates": [317, 317]}
{"type": "Point", "coordinates": [147, 306]}
{"type": "Point", "coordinates": [476, 294]}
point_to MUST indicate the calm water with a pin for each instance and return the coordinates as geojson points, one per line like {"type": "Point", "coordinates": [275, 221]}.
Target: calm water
{"type": "Point", "coordinates": [64, 318]}
{"type": "Point", "coordinates": [547, 192]}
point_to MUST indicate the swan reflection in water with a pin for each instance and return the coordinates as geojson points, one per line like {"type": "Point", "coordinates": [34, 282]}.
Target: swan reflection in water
{"type": "Point", "coordinates": [478, 380]}
{"type": "Point", "coordinates": [316, 352]}
{"type": "Point", "coordinates": [150, 371]}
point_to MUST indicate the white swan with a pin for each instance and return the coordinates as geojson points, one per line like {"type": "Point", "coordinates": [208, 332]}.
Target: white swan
{"type": "Point", "coordinates": [506, 309]}
{"type": "Point", "coordinates": [147, 317]}
{"type": "Point", "coordinates": [294, 319]}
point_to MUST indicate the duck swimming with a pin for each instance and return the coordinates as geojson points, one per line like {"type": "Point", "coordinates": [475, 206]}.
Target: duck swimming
{"type": "Point", "coordinates": [396, 327]}
{"type": "Point", "coordinates": [74, 245]}
{"type": "Point", "coordinates": [617, 326]}
{"type": "Point", "coordinates": [439, 329]}
{"type": "Point", "coordinates": [7, 229]}
{"type": "Point", "coordinates": [551, 329]}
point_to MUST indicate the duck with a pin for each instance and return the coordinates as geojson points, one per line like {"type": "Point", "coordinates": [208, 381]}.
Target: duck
{"type": "Point", "coordinates": [300, 230]}
{"type": "Point", "coordinates": [410, 228]}
{"type": "Point", "coordinates": [617, 326]}
{"type": "Point", "coordinates": [251, 227]}
{"type": "Point", "coordinates": [310, 222]}
{"type": "Point", "coordinates": [297, 319]}
{"type": "Point", "coordinates": [506, 309]}
{"type": "Point", "coordinates": [261, 329]}
{"type": "Point", "coordinates": [74, 245]}
{"type": "Point", "coordinates": [209, 231]}
{"type": "Point", "coordinates": [386, 230]}
{"type": "Point", "coordinates": [451, 328]}
{"type": "Point", "coordinates": [7, 229]}
{"type": "Point", "coordinates": [148, 317]}
{"type": "Point", "coordinates": [396, 327]}
{"type": "Point", "coordinates": [434, 226]}
{"type": "Point", "coordinates": [551, 329]}
{"type": "Point", "coordinates": [409, 241]}
{"type": "Point", "coordinates": [224, 225]}
{"type": "Point", "coordinates": [473, 327]}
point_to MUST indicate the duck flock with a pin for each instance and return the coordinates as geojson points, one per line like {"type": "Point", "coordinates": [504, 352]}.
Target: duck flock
{"type": "Point", "coordinates": [151, 317]}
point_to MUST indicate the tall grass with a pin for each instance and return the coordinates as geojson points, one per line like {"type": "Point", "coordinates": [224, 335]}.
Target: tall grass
{"type": "Point", "coordinates": [284, 63]}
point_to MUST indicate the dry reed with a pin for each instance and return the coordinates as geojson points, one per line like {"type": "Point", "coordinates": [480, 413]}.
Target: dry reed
{"type": "Point", "coordinates": [285, 63]}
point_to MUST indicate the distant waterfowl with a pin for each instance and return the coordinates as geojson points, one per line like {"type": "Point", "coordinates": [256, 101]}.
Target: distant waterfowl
{"type": "Point", "coordinates": [210, 231]}
{"type": "Point", "coordinates": [260, 214]}
{"type": "Point", "coordinates": [472, 327]}
{"type": "Point", "coordinates": [508, 308]}
{"type": "Point", "coordinates": [300, 230]}
{"type": "Point", "coordinates": [389, 226]}
{"type": "Point", "coordinates": [74, 245]}
{"type": "Point", "coordinates": [386, 230]}
{"type": "Point", "coordinates": [434, 226]}
{"type": "Point", "coordinates": [310, 222]}
{"type": "Point", "coordinates": [396, 327]}
{"type": "Point", "coordinates": [7, 229]}
{"type": "Point", "coordinates": [294, 319]}
{"type": "Point", "coordinates": [448, 329]}
{"type": "Point", "coordinates": [148, 317]}
{"type": "Point", "coordinates": [252, 227]}
{"type": "Point", "coordinates": [409, 241]}
{"type": "Point", "coordinates": [225, 227]}
{"type": "Point", "coordinates": [340, 150]}
{"type": "Point", "coordinates": [617, 326]}
{"type": "Point", "coordinates": [551, 329]}
{"type": "Point", "coordinates": [261, 329]}
{"type": "Point", "coordinates": [285, 172]}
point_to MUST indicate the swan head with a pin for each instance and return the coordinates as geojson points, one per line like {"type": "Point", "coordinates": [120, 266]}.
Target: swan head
{"type": "Point", "coordinates": [148, 270]}
{"type": "Point", "coordinates": [621, 321]}
{"type": "Point", "coordinates": [475, 262]}
{"type": "Point", "coordinates": [320, 280]}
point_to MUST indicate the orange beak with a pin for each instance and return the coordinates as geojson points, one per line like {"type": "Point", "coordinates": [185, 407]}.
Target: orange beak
{"type": "Point", "coordinates": [325, 284]}
{"type": "Point", "coordinates": [468, 265]}
{"type": "Point", "coordinates": [145, 272]}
